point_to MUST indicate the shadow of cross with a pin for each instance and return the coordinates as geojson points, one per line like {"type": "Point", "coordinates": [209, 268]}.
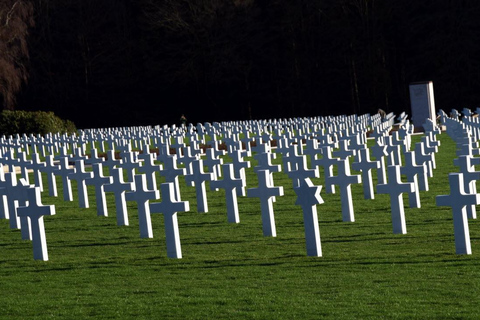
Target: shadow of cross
{"type": "Point", "coordinates": [35, 212]}
{"type": "Point", "coordinates": [169, 207]}
{"type": "Point", "coordinates": [458, 200]}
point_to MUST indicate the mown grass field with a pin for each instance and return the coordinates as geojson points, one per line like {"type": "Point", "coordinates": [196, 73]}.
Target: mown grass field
{"type": "Point", "coordinates": [230, 271]}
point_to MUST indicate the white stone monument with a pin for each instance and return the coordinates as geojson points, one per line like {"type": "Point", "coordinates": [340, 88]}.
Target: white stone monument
{"type": "Point", "coordinates": [422, 102]}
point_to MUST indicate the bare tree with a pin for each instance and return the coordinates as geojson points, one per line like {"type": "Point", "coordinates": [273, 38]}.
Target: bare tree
{"type": "Point", "coordinates": [16, 16]}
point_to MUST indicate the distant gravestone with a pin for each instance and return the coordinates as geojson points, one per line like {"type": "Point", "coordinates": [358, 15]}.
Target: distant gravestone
{"type": "Point", "coordinates": [422, 103]}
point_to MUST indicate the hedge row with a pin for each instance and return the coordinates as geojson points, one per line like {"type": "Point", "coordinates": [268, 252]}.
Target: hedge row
{"type": "Point", "coordinates": [33, 122]}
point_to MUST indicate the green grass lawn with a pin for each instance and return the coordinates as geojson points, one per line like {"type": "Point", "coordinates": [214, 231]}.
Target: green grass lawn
{"type": "Point", "coordinates": [97, 269]}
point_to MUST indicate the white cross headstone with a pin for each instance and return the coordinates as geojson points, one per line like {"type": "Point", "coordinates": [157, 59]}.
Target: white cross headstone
{"type": "Point", "coordinates": [395, 188]}
{"type": "Point", "coordinates": [379, 151]}
{"type": "Point", "coordinates": [111, 161]}
{"type": "Point", "coordinates": [50, 169]}
{"type": "Point", "coordinates": [345, 180]}
{"type": "Point", "coordinates": [239, 166]}
{"type": "Point", "coordinates": [213, 163]}
{"type": "Point", "coordinates": [458, 200]}
{"type": "Point", "coordinates": [308, 196]}
{"type": "Point", "coordinates": [37, 167]}
{"type": "Point", "coordinates": [422, 157]}
{"type": "Point", "coordinates": [15, 194]}
{"type": "Point", "coordinates": [80, 175]}
{"type": "Point", "coordinates": [142, 196]}
{"type": "Point", "coordinates": [365, 165]}
{"type": "Point", "coordinates": [169, 207]}
{"type": "Point", "coordinates": [197, 178]}
{"type": "Point", "coordinates": [327, 162]}
{"type": "Point", "coordinates": [470, 177]}
{"type": "Point", "coordinates": [266, 191]}
{"type": "Point", "coordinates": [98, 181]}
{"type": "Point", "coordinates": [129, 163]}
{"type": "Point", "coordinates": [230, 184]}
{"type": "Point", "coordinates": [414, 174]}
{"type": "Point", "coordinates": [149, 168]}
{"type": "Point", "coordinates": [64, 172]}
{"type": "Point", "coordinates": [171, 173]}
{"type": "Point", "coordinates": [35, 212]}
{"type": "Point", "coordinates": [119, 187]}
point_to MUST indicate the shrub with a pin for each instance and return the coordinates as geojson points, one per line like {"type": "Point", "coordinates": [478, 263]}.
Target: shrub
{"type": "Point", "coordinates": [33, 122]}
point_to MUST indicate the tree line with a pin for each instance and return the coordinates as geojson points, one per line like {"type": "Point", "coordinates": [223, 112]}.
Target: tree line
{"type": "Point", "coordinates": [128, 62]}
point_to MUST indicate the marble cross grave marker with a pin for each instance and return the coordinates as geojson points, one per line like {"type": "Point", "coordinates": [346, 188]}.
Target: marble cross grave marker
{"type": "Point", "coordinates": [395, 188]}
{"type": "Point", "coordinates": [119, 187]}
{"type": "Point", "coordinates": [470, 177]}
{"type": "Point", "coordinates": [50, 169]}
{"type": "Point", "coordinates": [142, 196]}
{"type": "Point", "coordinates": [365, 165]}
{"type": "Point", "coordinates": [308, 196]}
{"type": "Point", "coordinates": [64, 171]}
{"type": "Point", "coordinates": [230, 184]}
{"type": "Point", "coordinates": [80, 175]}
{"type": "Point", "coordinates": [35, 212]}
{"type": "Point", "coordinates": [98, 181]}
{"type": "Point", "coordinates": [266, 191]}
{"type": "Point", "coordinates": [197, 178]}
{"type": "Point", "coordinates": [169, 207]}
{"type": "Point", "coordinates": [345, 180]}
{"type": "Point", "coordinates": [458, 200]}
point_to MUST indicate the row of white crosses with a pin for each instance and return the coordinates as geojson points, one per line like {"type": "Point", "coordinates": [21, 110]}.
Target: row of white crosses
{"type": "Point", "coordinates": [347, 133]}
{"type": "Point", "coordinates": [463, 195]}
{"type": "Point", "coordinates": [21, 204]}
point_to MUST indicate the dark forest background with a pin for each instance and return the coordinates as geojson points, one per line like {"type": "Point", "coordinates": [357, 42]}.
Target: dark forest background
{"type": "Point", "coordinates": [107, 63]}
